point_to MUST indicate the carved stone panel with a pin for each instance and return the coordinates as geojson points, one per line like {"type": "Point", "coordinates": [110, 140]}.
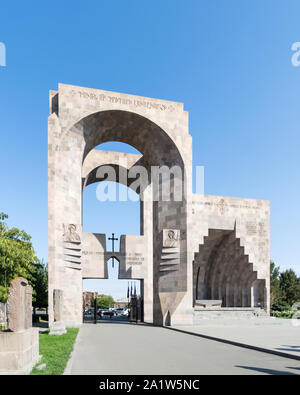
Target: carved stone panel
{"type": "Point", "coordinates": [71, 233]}
{"type": "Point", "coordinates": [57, 304]}
{"type": "Point", "coordinates": [170, 257]}
{"type": "Point", "coordinates": [171, 238]}
{"type": "Point", "coordinates": [72, 246]}
{"type": "Point", "coordinates": [28, 307]}
{"type": "Point", "coordinates": [19, 305]}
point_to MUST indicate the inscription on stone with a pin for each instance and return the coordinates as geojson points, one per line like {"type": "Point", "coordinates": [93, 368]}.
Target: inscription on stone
{"type": "Point", "coordinates": [222, 205]}
{"type": "Point", "coordinates": [91, 253]}
{"type": "Point", "coordinates": [134, 259]}
{"type": "Point", "coordinates": [125, 101]}
{"type": "Point", "coordinates": [262, 229]}
{"type": "Point", "coordinates": [251, 228]}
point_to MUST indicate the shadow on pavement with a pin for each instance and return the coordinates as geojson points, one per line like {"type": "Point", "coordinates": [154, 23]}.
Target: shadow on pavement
{"type": "Point", "coordinates": [289, 348]}
{"type": "Point", "coordinates": [269, 371]}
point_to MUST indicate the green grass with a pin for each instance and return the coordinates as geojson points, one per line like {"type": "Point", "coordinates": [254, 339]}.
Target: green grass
{"type": "Point", "coordinates": [56, 351]}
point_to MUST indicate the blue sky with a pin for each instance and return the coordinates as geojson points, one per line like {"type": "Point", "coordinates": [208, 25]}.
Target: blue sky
{"type": "Point", "coordinates": [228, 61]}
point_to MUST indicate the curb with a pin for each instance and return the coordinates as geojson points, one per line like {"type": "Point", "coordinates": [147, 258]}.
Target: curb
{"type": "Point", "coordinates": [68, 368]}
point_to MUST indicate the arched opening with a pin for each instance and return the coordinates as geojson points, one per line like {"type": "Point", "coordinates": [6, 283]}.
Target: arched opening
{"type": "Point", "coordinates": [119, 216]}
{"type": "Point", "coordinates": [223, 275]}
{"type": "Point", "coordinates": [111, 208]}
{"type": "Point", "coordinates": [114, 295]}
{"type": "Point", "coordinates": [165, 279]}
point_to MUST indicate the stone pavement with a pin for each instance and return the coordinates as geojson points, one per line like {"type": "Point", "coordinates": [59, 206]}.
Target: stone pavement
{"type": "Point", "coordinates": [274, 334]}
{"type": "Point", "coordinates": [129, 349]}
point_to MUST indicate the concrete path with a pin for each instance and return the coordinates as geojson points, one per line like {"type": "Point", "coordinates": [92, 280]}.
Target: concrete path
{"type": "Point", "coordinates": [277, 335]}
{"type": "Point", "coordinates": [125, 349]}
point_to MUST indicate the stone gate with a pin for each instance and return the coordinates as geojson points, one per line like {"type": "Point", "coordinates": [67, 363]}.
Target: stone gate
{"type": "Point", "coordinates": [190, 250]}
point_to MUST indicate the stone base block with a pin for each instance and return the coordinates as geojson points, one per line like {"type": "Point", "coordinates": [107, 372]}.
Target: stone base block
{"type": "Point", "coordinates": [219, 313]}
{"type": "Point", "coordinates": [19, 351]}
{"type": "Point", "coordinates": [208, 303]}
{"type": "Point", "coordinates": [57, 328]}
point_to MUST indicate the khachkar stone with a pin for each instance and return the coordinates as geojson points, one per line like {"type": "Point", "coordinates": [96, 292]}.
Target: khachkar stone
{"type": "Point", "coordinates": [19, 305]}
{"type": "Point", "coordinates": [28, 307]}
{"type": "Point", "coordinates": [19, 347]}
{"type": "Point", "coordinates": [57, 304]}
{"type": "Point", "coordinates": [57, 327]}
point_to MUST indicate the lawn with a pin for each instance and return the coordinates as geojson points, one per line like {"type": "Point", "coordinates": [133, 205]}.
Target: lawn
{"type": "Point", "coordinates": [56, 351]}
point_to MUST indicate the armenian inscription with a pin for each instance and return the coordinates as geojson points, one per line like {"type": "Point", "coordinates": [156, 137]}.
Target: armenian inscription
{"type": "Point", "coordinates": [122, 100]}
{"type": "Point", "coordinates": [134, 258]}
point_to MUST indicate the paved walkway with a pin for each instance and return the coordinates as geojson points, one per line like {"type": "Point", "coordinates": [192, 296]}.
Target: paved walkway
{"type": "Point", "coordinates": [128, 349]}
{"type": "Point", "coordinates": [277, 335]}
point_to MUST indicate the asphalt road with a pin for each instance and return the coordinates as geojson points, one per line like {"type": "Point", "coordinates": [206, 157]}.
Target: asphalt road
{"type": "Point", "coordinates": [129, 349]}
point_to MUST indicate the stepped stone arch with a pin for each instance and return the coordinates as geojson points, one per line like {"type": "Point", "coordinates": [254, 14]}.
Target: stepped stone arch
{"type": "Point", "coordinates": [223, 272]}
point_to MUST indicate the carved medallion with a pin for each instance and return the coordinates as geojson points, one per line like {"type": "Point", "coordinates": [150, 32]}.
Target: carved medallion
{"type": "Point", "coordinates": [171, 238]}
{"type": "Point", "coordinates": [71, 233]}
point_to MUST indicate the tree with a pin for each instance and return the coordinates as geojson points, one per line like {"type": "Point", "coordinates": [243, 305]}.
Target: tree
{"type": "Point", "coordinates": [290, 286]}
{"type": "Point", "coordinates": [276, 292]}
{"type": "Point", "coordinates": [40, 284]}
{"type": "Point", "coordinates": [285, 288]}
{"type": "Point", "coordinates": [105, 302]}
{"type": "Point", "coordinates": [17, 257]}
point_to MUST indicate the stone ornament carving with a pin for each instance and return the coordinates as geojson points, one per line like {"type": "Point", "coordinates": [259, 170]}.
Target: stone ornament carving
{"type": "Point", "coordinates": [19, 305]}
{"type": "Point", "coordinates": [72, 246]}
{"type": "Point", "coordinates": [170, 257]}
{"type": "Point", "coordinates": [71, 234]}
{"type": "Point", "coordinates": [222, 207]}
{"type": "Point", "coordinates": [171, 238]}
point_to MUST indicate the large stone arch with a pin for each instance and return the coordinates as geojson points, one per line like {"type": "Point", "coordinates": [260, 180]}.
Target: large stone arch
{"type": "Point", "coordinates": [159, 147]}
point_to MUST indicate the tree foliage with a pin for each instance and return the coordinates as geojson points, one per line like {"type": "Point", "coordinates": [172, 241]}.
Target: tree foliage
{"type": "Point", "coordinates": [40, 284]}
{"type": "Point", "coordinates": [290, 286]}
{"type": "Point", "coordinates": [105, 302]}
{"type": "Point", "coordinates": [285, 288]}
{"type": "Point", "coordinates": [276, 293]}
{"type": "Point", "coordinates": [18, 259]}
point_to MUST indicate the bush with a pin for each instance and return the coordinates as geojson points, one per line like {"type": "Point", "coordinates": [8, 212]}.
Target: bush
{"type": "Point", "coordinates": [281, 305]}
{"type": "Point", "coordinates": [284, 314]}
{"type": "Point", "coordinates": [3, 294]}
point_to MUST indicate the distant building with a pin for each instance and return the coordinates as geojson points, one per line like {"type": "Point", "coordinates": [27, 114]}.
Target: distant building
{"type": "Point", "coordinates": [88, 299]}
{"type": "Point", "coordinates": [121, 304]}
